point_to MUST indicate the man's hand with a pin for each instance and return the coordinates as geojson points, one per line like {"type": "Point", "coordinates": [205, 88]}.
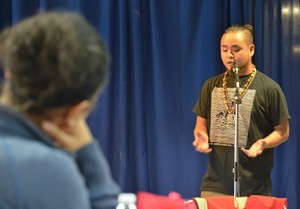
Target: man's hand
{"type": "Point", "coordinates": [201, 143]}
{"type": "Point", "coordinates": [72, 139]}
{"type": "Point", "coordinates": [256, 149]}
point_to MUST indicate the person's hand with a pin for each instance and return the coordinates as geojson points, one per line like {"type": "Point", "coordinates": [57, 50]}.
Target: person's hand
{"type": "Point", "coordinates": [201, 143]}
{"type": "Point", "coordinates": [256, 149]}
{"type": "Point", "coordinates": [71, 139]}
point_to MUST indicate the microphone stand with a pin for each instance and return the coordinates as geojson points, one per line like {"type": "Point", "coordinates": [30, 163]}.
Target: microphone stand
{"type": "Point", "coordinates": [237, 100]}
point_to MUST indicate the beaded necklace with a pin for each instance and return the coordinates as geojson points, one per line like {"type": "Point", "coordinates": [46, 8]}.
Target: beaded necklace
{"type": "Point", "coordinates": [230, 104]}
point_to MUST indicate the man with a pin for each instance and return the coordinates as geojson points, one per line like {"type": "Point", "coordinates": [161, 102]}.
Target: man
{"type": "Point", "coordinates": [263, 120]}
{"type": "Point", "coordinates": [55, 67]}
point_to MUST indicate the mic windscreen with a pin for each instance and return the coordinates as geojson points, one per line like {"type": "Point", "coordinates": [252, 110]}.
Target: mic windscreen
{"type": "Point", "coordinates": [235, 68]}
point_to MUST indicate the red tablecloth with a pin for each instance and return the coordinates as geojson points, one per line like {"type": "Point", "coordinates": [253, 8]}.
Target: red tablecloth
{"type": "Point", "coordinates": [147, 200]}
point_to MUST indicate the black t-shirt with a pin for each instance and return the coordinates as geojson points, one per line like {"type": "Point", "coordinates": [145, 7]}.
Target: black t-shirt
{"type": "Point", "coordinates": [263, 107]}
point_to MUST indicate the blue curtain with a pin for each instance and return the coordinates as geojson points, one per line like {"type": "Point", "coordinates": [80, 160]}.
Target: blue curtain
{"type": "Point", "coordinates": [162, 52]}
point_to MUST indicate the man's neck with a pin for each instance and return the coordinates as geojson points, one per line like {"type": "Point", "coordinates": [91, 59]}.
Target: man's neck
{"type": "Point", "coordinates": [246, 70]}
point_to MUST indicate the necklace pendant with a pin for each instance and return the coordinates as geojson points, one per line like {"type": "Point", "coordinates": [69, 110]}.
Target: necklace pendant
{"type": "Point", "coordinates": [231, 107]}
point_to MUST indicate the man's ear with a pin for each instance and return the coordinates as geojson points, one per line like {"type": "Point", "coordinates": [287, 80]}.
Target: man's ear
{"type": "Point", "coordinates": [252, 49]}
{"type": "Point", "coordinates": [76, 112]}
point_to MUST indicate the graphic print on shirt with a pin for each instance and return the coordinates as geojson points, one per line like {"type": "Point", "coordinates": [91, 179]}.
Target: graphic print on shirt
{"type": "Point", "coordinates": [222, 123]}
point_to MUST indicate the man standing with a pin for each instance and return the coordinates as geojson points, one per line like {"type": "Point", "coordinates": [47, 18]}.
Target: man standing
{"type": "Point", "coordinates": [263, 120]}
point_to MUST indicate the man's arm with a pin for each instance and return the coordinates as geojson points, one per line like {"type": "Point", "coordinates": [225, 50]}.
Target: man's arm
{"type": "Point", "coordinates": [102, 189]}
{"type": "Point", "coordinates": [201, 136]}
{"type": "Point", "coordinates": [278, 136]}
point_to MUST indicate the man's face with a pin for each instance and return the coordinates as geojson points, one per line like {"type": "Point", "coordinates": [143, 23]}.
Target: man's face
{"type": "Point", "coordinates": [235, 46]}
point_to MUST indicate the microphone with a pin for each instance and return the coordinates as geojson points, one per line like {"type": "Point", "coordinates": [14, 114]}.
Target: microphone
{"type": "Point", "coordinates": [235, 69]}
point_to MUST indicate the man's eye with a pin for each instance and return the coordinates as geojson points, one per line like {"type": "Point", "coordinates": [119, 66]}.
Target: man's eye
{"type": "Point", "coordinates": [236, 50]}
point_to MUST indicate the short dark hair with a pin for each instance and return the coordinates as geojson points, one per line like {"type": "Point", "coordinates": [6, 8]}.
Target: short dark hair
{"type": "Point", "coordinates": [247, 29]}
{"type": "Point", "coordinates": [55, 59]}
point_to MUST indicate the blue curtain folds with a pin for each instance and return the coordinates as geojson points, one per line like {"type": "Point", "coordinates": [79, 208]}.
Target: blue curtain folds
{"type": "Point", "coordinates": [161, 54]}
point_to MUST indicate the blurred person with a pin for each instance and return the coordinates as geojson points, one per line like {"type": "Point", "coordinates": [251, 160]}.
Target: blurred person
{"type": "Point", "coordinates": [55, 66]}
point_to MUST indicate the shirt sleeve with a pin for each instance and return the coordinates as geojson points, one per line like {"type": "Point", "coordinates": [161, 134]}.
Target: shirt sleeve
{"type": "Point", "coordinates": [278, 105]}
{"type": "Point", "coordinates": [48, 179]}
{"type": "Point", "coordinates": [203, 103]}
{"type": "Point", "coordinates": [39, 177]}
{"type": "Point", "coordinates": [103, 190]}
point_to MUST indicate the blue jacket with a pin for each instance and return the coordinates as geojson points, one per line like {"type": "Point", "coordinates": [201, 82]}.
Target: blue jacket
{"type": "Point", "coordinates": [34, 174]}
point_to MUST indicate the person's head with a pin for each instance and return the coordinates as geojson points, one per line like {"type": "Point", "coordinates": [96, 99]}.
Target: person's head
{"type": "Point", "coordinates": [237, 45]}
{"type": "Point", "coordinates": [53, 60]}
